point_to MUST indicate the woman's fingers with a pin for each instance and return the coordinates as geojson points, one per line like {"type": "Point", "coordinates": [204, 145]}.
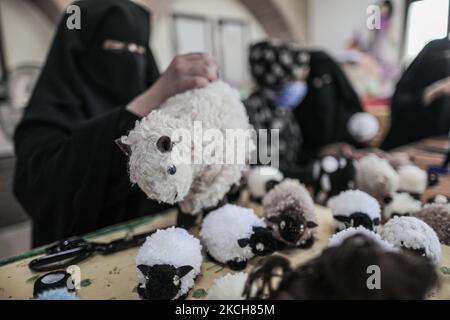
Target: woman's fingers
{"type": "Point", "coordinates": [203, 69]}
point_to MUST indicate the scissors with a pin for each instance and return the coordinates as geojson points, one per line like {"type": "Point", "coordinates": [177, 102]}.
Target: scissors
{"type": "Point", "coordinates": [73, 250]}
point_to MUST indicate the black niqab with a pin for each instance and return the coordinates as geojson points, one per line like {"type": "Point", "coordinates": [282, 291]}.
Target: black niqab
{"type": "Point", "coordinates": [329, 104]}
{"type": "Point", "coordinates": [411, 119]}
{"type": "Point", "coordinates": [70, 176]}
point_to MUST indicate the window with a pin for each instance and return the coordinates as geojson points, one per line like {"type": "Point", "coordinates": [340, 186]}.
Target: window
{"type": "Point", "coordinates": [426, 20]}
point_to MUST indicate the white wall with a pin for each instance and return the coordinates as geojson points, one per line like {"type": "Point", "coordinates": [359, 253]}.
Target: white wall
{"type": "Point", "coordinates": [162, 36]}
{"type": "Point", "coordinates": [26, 33]}
{"type": "Point", "coordinates": [332, 23]}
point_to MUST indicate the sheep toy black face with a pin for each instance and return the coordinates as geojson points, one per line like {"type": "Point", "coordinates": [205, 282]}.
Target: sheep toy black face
{"type": "Point", "coordinates": [354, 208]}
{"type": "Point", "coordinates": [333, 175]}
{"type": "Point", "coordinates": [261, 241]}
{"type": "Point", "coordinates": [358, 219]}
{"type": "Point", "coordinates": [291, 226]}
{"type": "Point", "coordinates": [162, 281]}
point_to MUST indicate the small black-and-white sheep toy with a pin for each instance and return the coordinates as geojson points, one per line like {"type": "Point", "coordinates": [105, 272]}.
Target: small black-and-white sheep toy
{"type": "Point", "coordinates": [289, 212]}
{"type": "Point", "coordinates": [232, 235]}
{"type": "Point", "coordinates": [363, 127]}
{"type": "Point", "coordinates": [437, 216]}
{"type": "Point", "coordinates": [401, 204]}
{"type": "Point", "coordinates": [338, 238]}
{"type": "Point", "coordinates": [438, 199]}
{"type": "Point", "coordinates": [413, 235]}
{"type": "Point", "coordinates": [333, 175]}
{"type": "Point", "coordinates": [376, 177]}
{"type": "Point", "coordinates": [415, 180]}
{"type": "Point", "coordinates": [353, 208]}
{"type": "Point", "coordinates": [167, 263]}
{"type": "Point", "coordinates": [262, 179]}
{"type": "Point", "coordinates": [172, 163]}
{"type": "Point", "coordinates": [228, 287]}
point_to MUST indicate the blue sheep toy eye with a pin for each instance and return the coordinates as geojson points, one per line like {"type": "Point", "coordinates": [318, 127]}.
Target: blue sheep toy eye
{"type": "Point", "coordinates": [172, 170]}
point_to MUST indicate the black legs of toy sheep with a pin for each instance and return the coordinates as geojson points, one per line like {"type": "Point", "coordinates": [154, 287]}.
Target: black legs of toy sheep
{"type": "Point", "coordinates": [185, 221]}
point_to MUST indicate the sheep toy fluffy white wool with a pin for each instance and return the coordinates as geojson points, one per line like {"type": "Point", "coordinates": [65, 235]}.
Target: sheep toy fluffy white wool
{"type": "Point", "coordinates": [232, 235]}
{"type": "Point", "coordinates": [168, 262]}
{"type": "Point", "coordinates": [173, 162]}
{"type": "Point", "coordinates": [401, 204]}
{"type": "Point", "coordinates": [289, 210]}
{"type": "Point", "coordinates": [228, 287]}
{"type": "Point", "coordinates": [376, 177]}
{"type": "Point", "coordinates": [412, 234]}
{"type": "Point", "coordinates": [338, 238]}
{"type": "Point", "coordinates": [412, 179]}
{"type": "Point", "coordinates": [363, 126]}
{"type": "Point", "coordinates": [261, 179]}
{"type": "Point", "coordinates": [353, 208]}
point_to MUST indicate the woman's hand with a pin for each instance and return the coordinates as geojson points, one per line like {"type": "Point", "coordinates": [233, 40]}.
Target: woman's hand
{"type": "Point", "coordinates": [185, 72]}
{"type": "Point", "coordinates": [436, 90]}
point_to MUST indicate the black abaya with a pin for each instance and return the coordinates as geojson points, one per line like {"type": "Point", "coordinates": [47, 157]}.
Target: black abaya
{"type": "Point", "coordinates": [411, 119]}
{"type": "Point", "coordinates": [326, 109]}
{"type": "Point", "coordinates": [70, 176]}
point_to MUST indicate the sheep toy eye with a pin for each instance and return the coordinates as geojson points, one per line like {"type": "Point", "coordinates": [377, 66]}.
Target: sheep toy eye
{"type": "Point", "coordinates": [282, 224]}
{"type": "Point", "coordinates": [176, 280]}
{"type": "Point", "coordinates": [172, 170]}
{"type": "Point", "coordinates": [164, 144]}
{"type": "Point", "coordinates": [260, 246]}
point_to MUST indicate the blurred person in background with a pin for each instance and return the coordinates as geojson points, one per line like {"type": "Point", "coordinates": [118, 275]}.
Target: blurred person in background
{"type": "Point", "coordinates": [279, 71]}
{"type": "Point", "coordinates": [421, 103]}
{"type": "Point", "coordinates": [70, 176]}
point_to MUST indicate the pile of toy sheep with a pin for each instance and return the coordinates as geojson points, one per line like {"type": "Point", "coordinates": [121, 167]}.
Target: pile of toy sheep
{"type": "Point", "coordinates": [373, 201]}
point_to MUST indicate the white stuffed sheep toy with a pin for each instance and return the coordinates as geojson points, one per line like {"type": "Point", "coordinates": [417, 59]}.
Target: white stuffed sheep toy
{"type": "Point", "coordinates": [338, 238]}
{"type": "Point", "coordinates": [228, 287]}
{"type": "Point", "coordinates": [167, 263]}
{"type": "Point", "coordinates": [376, 177]}
{"type": "Point", "coordinates": [262, 179]}
{"type": "Point", "coordinates": [289, 211]}
{"type": "Point", "coordinates": [353, 208]}
{"type": "Point", "coordinates": [177, 151]}
{"type": "Point", "coordinates": [415, 180]}
{"type": "Point", "coordinates": [414, 235]}
{"type": "Point", "coordinates": [232, 235]}
{"type": "Point", "coordinates": [401, 204]}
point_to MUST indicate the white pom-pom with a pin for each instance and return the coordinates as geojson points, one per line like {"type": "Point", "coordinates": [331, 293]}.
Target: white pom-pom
{"type": "Point", "coordinates": [57, 294]}
{"type": "Point", "coordinates": [228, 287]}
{"type": "Point", "coordinates": [363, 126]}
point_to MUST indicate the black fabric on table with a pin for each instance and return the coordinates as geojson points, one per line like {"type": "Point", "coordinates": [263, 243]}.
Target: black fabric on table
{"type": "Point", "coordinates": [70, 176]}
{"type": "Point", "coordinates": [411, 119]}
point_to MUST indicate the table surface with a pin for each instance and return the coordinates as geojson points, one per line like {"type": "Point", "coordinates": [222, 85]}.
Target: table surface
{"type": "Point", "coordinates": [114, 276]}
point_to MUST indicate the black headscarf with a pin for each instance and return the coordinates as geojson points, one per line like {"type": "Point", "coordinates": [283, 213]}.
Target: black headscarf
{"type": "Point", "coordinates": [70, 176]}
{"type": "Point", "coordinates": [274, 64]}
{"type": "Point", "coordinates": [411, 119]}
{"type": "Point", "coordinates": [329, 104]}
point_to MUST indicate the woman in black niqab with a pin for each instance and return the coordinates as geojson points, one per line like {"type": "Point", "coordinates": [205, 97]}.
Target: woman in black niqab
{"type": "Point", "coordinates": [70, 176]}
{"type": "Point", "coordinates": [331, 101]}
{"type": "Point", "coordinates": [412, 120]}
